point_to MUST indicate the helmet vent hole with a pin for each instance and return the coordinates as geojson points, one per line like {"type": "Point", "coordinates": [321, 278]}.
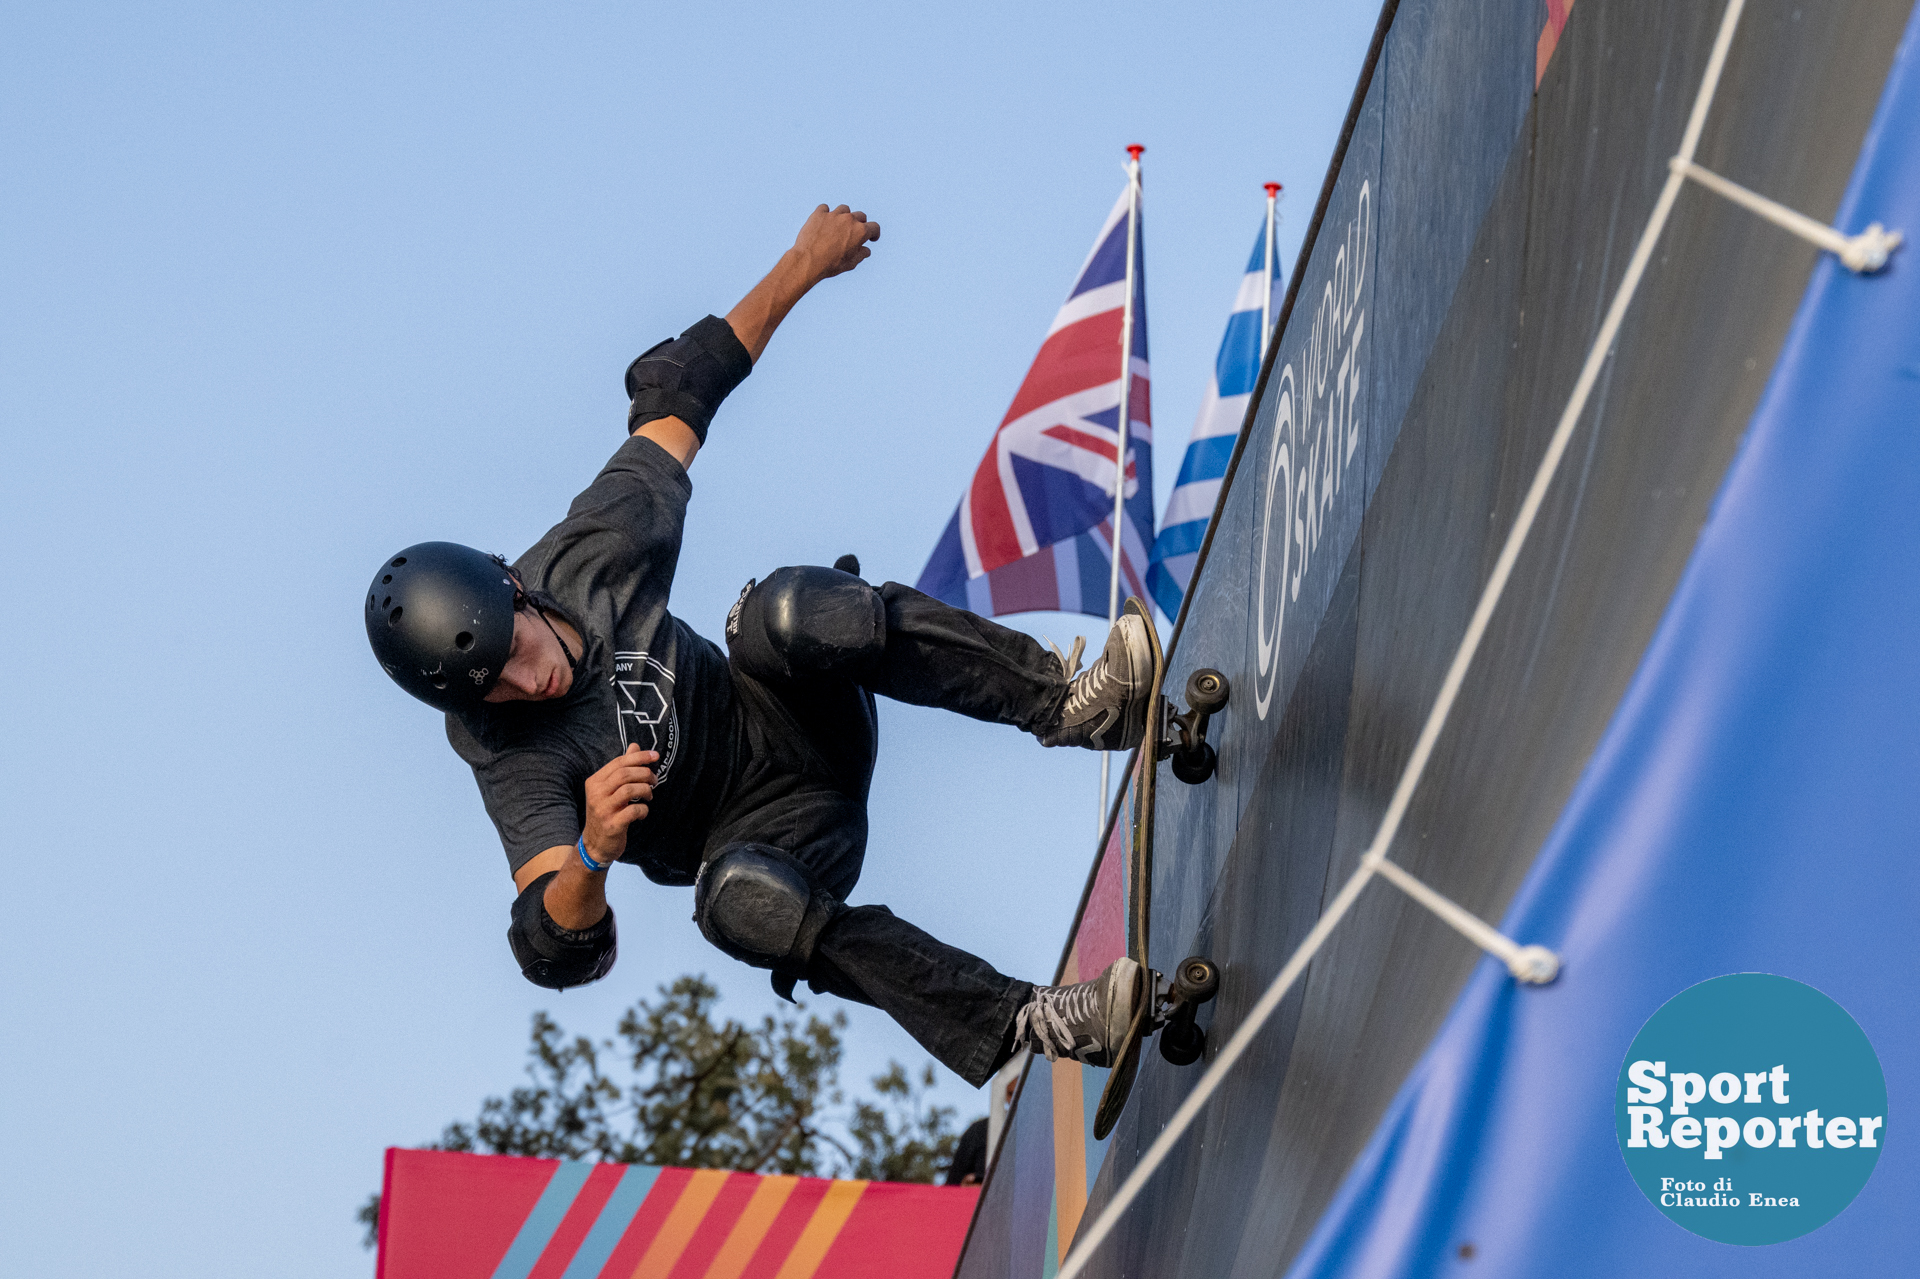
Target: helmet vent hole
{"type": "Point", "coordinates": [398, 560]}
{"type": "Point", "coordinates": [386, 579]}
{"type": "Point", "coordinates": [439, 681]}
{"type": "Point", "coordinates": [393, 618]}
{"type": "Point", "coordinates": [386, 602]}
{"type": "Point", "coordinates": [463, 641]}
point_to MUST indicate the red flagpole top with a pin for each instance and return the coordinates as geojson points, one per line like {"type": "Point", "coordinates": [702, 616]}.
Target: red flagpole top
{"type": "Point", "coordinates": [1273, 189]}
{"type": "Point", "coordinates": [1135, 151]}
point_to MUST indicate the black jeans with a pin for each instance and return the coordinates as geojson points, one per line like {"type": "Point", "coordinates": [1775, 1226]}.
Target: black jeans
{"type": "Point", "coordinates": [809, 648]}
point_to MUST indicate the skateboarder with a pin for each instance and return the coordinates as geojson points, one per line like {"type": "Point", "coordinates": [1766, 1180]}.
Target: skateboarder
{"type": "Point", "coordinates": [601, 728]}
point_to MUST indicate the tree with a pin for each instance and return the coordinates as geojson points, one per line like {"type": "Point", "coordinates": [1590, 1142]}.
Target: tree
{"type": "Point", "coordinates": [696, 1092]}
{"type": "Point", "coordinates": [903, 1138]}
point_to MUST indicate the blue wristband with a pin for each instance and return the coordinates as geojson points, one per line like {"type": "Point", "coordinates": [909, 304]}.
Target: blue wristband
{"type": "Point", "coordinates": [592, 865]}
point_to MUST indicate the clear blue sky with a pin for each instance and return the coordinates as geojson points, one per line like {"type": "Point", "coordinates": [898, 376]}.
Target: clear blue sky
{"type": "Point", "coordinates": [288, 287]}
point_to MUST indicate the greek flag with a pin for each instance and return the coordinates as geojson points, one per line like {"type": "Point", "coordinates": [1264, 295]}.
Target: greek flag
{"type": "Point", "coordinates": [1170, 566]}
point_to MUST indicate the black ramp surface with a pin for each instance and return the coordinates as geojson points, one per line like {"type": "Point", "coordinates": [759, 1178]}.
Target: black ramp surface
{"type": "Point", "coordinates": [1469, 247]}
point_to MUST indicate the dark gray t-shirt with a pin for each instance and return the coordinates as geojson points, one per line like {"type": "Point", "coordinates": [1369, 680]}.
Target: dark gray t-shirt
{"type": "Point", "coordinates": [645, 677]}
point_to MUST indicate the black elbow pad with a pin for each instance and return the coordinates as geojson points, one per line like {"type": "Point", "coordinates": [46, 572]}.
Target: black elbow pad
{"type": "Point", "coordinates": [687, 377]}
{"type": "Point", "coordinates": [557, 957]}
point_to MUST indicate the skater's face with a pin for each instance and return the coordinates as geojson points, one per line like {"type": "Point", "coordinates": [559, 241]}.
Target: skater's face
{"type": "Point", "coordinates": [537, 667]}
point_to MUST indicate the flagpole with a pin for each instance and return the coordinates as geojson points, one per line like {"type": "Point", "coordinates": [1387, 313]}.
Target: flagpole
{"type": "Point", "coordinates": [1125, 435]}
{"type": "Point", "coordinates": [1266, 294]}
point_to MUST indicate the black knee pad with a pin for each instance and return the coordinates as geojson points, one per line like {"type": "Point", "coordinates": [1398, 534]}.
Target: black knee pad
{"type": "Point", "coordinates": [553, 956]}
{"type": "Point", "coordinates": [687, 377]}
{"type": "Point", "coordinates": [755, 904]}
{"type": "Point", "coordinates": [806, 621]}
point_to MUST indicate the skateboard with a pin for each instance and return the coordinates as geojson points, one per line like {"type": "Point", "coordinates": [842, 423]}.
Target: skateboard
{"type": "Point", "coordinates": [1166, 1005]}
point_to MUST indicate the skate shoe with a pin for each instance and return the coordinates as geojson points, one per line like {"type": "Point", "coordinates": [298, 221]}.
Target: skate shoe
{"type": "Point", "coordinates": [1106, 704]}
{"type": "Point", "coordinates": [1088, 1021]}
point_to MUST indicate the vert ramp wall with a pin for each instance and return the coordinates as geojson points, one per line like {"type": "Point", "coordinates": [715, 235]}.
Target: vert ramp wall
{"type": "Point", "coordinates": [1467, 243]}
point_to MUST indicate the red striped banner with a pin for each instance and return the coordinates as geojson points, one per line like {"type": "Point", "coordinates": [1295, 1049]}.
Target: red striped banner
{"type": "Point", "coordinates": [458, 1216]}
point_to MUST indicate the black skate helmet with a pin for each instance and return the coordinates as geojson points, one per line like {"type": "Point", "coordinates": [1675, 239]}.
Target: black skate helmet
{"type": "Point", "coordinates": [440, 619]}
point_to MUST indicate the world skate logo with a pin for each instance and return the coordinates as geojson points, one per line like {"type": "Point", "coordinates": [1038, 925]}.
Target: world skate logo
{"type": "Point", "coordinates": [643, 699]}
{"type": "Point", "coordinates": [1308, 483]}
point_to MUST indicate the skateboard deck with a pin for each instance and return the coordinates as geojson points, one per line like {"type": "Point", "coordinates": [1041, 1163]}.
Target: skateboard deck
{"type": "Point", "coordinates": [1166, 1006]}
{"type": "Point", "coordinates": [1113, 1098]}
{"type": "Point", "coordinates": [1146, 769]}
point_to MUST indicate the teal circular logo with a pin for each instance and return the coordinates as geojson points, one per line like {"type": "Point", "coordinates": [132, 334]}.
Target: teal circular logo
{"type": "Point", "coordinates": [1751, 1108]}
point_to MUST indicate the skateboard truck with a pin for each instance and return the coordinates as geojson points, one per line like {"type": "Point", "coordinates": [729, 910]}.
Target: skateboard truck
{"type": "Point", "coordinates": [1194, 982]}
{"type": "Point", "coordinates": [1193, 759]}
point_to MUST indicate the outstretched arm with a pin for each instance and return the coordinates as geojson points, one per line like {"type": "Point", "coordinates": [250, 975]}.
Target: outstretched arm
{"type": "Point", "coordinates": [832, 242]}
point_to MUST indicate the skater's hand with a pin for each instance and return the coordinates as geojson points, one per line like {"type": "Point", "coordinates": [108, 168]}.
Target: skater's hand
{"type": "Point", "coordinates": [835, 241]}
{"type": "Point", "coordinates": [832, 242]}
{"type": "Point", "coordinates": [617, 797]}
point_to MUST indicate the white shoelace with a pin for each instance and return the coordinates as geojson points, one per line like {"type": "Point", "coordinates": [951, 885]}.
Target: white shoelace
{"type": "Point", "coordinates": [1069, 662]}
{"type": "Point", "coordinates": [1084, 692]}
{"type": "Point", "coordinates": [1044, 1022]}
{"type": "Point", "coordinates": [1089, 688]}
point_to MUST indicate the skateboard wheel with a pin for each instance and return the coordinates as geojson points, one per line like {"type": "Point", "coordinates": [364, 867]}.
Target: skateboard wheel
{"type": "Point", "coordinates": [1182, 1042]}
{"type": "Point", "coordinates": [1196, 980]}
{"type": "Point", "coordinates": [1206, 690]}
{"type": "Point", "coordinates": [1196, 765]}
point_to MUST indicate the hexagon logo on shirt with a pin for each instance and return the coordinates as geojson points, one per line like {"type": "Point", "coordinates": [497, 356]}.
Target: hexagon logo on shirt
{"type": "Point", "coordinates": [643, 693]}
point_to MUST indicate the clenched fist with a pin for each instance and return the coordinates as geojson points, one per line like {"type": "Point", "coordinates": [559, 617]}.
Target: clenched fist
{"type": "Point", "coordinates": [835, 240]}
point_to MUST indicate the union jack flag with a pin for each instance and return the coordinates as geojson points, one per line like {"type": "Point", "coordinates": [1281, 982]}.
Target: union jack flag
{"type": "Point", "coordinates": [1034, 529]}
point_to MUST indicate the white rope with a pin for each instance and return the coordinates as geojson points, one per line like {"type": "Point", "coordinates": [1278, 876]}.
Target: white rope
{"type": "Point", "coordinates": [1374, 860]}
{"type": "Point", "coordinates": [1862, 254]}
{"type": "Point", "coordinates": [1535, 965]}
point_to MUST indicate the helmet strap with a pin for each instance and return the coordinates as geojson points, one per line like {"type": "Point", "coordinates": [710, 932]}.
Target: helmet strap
{"type": "Point", "coordinates": [571, 659]}
{"type": "Point", "coordinates": [521, 599]}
